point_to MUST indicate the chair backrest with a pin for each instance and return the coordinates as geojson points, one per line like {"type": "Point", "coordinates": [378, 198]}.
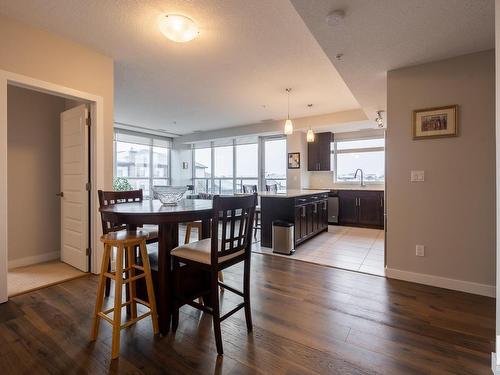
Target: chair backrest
{"type": "Point", "coordinates": [249, 189]}
{"type": "Point", "coordinates": [107, 198]}
{"type": "Point", "coordinates": [235, 216]}
{"type": "Point", "coordinates": [273, 188]}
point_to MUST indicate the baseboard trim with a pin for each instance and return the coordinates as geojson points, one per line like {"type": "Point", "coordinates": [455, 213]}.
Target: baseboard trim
{"type": "Point", "coordinates": [494, 367]}
{"type": "Point", "coordinates": [28, 261]}
{"type": "Point", "coordinates": [442, 282]}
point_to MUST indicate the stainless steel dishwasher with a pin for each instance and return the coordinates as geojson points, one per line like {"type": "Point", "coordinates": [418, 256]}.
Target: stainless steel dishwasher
{"type": "Point", "coordinates": [333, 208]}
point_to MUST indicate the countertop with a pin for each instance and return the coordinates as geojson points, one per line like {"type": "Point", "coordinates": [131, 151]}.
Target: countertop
{"type": "Point", "coordinates": [353, 187]}
{"type": "Point", "coordinates": [292, 193]}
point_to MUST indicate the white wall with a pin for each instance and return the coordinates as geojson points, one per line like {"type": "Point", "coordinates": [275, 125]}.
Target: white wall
{"type": "Point", "coordinates": [297, 178]}
{"type": "Point", "coordinates": [33, 153]}
{"type": "Point", "coordinates": [452, 213]}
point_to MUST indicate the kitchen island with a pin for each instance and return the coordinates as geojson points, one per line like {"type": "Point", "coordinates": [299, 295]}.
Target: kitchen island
{"type": "Point", "coordinates": [306, 209]}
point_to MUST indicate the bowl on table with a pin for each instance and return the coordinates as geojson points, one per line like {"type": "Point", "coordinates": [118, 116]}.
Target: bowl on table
{"type": "Point", "coordinates": [169, 195]}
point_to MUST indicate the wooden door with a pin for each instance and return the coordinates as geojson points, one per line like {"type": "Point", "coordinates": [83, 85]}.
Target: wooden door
{"type": "Point", "coordinates": [74, 194]}
{"type": "Point", "coordinates": [369, 208]}
{"type": "Point", "coordinates": [348, 209]}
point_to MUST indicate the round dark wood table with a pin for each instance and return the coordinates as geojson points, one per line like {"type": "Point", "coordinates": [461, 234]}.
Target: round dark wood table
{"type": "Point", "coordinates": [167, 218]}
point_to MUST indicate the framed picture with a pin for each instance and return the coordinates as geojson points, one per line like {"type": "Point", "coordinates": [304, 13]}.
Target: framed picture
{"type": "Point", "coordinates": [294, 160]}
{"type": "Point", "coordinates": [436, 122]}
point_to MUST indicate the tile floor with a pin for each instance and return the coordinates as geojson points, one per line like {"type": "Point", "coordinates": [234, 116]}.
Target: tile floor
{"type": "Point", "coordinates": [357, 249]}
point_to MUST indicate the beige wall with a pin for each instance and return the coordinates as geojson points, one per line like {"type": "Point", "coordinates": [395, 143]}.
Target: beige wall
{"type": "Point", "coordinates": [48, 57]}
{"type": "Point", "coordinates": [33, 154]}
{"type": "Point", "coordinates": [452, 213]}
{"type": "Point", "coordinates": [297, 178]}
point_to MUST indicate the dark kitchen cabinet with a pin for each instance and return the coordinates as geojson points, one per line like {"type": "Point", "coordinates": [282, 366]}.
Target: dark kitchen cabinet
{"type": "Point", "coordinates": [361, 208]}
{"type": "Point", "coordinates": [319, 152]}
{"type": "Point", "coordinates": [309, 214]}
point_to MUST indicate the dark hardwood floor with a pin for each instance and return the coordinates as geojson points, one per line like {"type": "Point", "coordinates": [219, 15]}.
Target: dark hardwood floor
{"type": "Point", "coordinates": [307, 319]}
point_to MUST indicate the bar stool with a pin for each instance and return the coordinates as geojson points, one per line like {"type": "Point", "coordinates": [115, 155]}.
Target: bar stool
{"type": "Point", "coordinates": [125, 242]}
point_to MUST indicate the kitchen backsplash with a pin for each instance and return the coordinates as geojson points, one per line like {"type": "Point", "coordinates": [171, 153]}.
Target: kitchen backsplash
{"type": "Point", "coordinates": [324, 180]}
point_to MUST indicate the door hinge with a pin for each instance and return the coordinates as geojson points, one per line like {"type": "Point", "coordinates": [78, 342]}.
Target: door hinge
{"type": "Point", "coordinates": [87, 120]}
{"type": "Point", "coordinates": [88, 251]}
{"type": "Point", "coordinates": [88, 186]}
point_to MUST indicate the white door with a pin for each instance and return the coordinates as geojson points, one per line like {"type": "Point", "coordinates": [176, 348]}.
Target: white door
{"type": "Point", "coordinates": [74, 194]}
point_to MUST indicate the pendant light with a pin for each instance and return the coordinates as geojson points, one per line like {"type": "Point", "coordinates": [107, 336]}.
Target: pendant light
{"type": "Point", "coordinates": [310, 133]}
{"type": "Point", "coordinates": [288, 123]}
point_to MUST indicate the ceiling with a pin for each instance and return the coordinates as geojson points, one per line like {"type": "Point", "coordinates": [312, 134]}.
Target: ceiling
{"type": "Point", "coordinates": [234, 73]}
{"type": "Point", "coordinates": [377, 36]}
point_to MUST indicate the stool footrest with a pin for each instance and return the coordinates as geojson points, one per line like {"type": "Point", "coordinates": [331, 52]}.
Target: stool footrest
{"type": "Point", "coordinates": [135, 320]}
{"type": "Point", "coordinates": [142, 302]}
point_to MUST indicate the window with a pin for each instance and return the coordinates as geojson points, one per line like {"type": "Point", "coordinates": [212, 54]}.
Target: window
{"type": "Point", "coordinates": [275, 162]}
{"type": "Point", "coordinates": [143, 159]}
{"type": "Point", "coordinates": [202, 170]}
{"type": "Point", "coordinates": [234, 163]}
{"type": "Point", "coordinates": [366, 154]}
{"type": "Point", "coordinates": [247, 165]}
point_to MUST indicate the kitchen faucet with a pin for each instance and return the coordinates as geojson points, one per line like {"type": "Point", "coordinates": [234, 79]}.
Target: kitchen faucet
{"type": "Point", "coordinates": [362, 179]}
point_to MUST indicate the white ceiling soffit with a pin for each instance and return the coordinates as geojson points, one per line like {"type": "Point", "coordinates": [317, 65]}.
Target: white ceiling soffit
{"type": "Point", "coordinates": [378, 36]}
{"type": "Point", "coordinates": [234, 73]}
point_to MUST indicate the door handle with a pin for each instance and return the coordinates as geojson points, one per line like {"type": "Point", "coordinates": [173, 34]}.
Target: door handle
{"type": "Point", "coordinates": [61, 194]}
{"type": "Point", "coordinates": [303, 211]}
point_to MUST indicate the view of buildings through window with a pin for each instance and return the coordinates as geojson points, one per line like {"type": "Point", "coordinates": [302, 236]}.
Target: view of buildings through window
{"type": "Point", "coordinates": [237, 164]}
{"type": "Point", "coordinates": [143, 160]}
{"type": "Point", "coordinates": [366, 154]}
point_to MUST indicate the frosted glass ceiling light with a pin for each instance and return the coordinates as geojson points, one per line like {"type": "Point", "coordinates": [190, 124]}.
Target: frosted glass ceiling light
{"type": "Point", "coordinates": [288, 123]}
{"type": "Point", "coordinates": [179, 28]}
{"type": "Point", "coordinates": [310, 133]}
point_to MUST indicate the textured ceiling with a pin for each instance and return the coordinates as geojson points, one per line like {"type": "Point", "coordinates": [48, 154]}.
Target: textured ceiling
{"type": "Point", "coordinates": [235, 73]}
{"type": "Point", "coordinates": [378, 36]}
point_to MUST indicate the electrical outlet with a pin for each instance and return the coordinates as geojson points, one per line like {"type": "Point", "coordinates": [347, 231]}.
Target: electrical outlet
{"type": "Point", "coordinates": [420, 250]}
{"type": "Point", "coordinates": [417, 176]}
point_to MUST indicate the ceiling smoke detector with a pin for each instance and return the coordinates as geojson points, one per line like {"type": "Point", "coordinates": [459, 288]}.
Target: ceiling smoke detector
{"type": "Point", "coordinates": [335, 17]}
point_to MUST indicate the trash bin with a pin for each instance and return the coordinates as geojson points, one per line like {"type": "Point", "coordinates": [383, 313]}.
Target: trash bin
{"type": "Point", "coordinates": [283, 242]}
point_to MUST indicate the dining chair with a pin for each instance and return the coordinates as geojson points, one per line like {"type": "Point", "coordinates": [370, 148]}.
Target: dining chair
{"type": "Point", "coordinates": [273, 188]}
{"type": "Point", "coordinates": [235, 217]}
{"type": "Point", "coordinates": [107, 198]}
{"type": "Point", "coordinates": [251, 189]}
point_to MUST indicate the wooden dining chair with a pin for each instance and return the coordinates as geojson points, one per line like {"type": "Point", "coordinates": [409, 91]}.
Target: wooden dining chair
{"type": "Point", "coordinates": [235, 217]}
{"type": "Point", "coordinates": [252, 189]}
{"type": "Point", "coordinates": [107, 198]}
{"type": "Point", "coordinates": [273, 188]}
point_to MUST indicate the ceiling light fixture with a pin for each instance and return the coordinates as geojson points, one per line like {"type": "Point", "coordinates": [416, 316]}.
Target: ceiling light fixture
{"type": "Point", "coordinates": [178, 28]}
{"type": "Point", "coordinates": [288, 123]}
{"type": "Point", "coordinates": [379, 119]}
{"type": "Point", "coordinates": [310, 133]}
{"type": "Point", "coordinates": [335, 17]}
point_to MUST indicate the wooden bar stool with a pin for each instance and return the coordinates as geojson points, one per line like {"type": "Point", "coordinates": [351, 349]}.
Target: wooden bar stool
{"type": "Point", "coordinates": [126, 243]}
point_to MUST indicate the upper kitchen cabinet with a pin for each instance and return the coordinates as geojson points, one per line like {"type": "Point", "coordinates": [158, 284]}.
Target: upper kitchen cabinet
{"type": "Point", "coordinates": [319, 152]}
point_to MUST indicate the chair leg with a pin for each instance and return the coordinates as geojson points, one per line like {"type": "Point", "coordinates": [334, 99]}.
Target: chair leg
{"type": "Point", "coordinates": [149, 287]}
{"type": "Point", "coordinates": [108, 280]}
{"type": "Point", "coordinates": [216, 312]}
{"type": "Point", "coordinates": [187, 238]}
{"type": "Point", "coordinates": [117, 311]}
{"type": "Point", "coordinates": [131, 285]}
{"type": "Point", "coordinates": [175, 308]}
{"type": "Point", "coordinates": [246, 294]}
{"type": "Point", "coordinates": [100, 292]}
{"type": "Point", "coordinates": [221, 279]}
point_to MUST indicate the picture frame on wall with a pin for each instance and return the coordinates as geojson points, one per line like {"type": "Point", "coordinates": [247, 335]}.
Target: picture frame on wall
{"type": "Point", "coordinates": [294, 160]}
{"type": "Point", "coordinates": [438, 122]}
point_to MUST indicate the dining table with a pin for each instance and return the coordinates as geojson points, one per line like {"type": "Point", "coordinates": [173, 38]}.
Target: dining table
{"type": "Point", "coordinates": [137, 214]}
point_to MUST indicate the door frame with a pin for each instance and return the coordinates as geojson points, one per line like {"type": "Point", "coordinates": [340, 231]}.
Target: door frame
{"type": "Point", "coordinates": [96, 103]}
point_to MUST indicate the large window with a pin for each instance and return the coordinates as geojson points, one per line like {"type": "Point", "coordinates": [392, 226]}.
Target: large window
{"type": "Point", "coordinates": [142, 159]}
{"type": "Point", "coordinates": [234, 163]}
{"type": "Point", "coordinates": [275, 162]}
{"type": "Point", "coordinates": [366, 154]}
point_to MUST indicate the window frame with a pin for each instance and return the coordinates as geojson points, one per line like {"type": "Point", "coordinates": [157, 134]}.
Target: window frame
{"type": "Point", "coordinates": [334, 151]}
{"type": "Point", "coordinates": [151, 145]}
{"type": "Point", "coordinates": [237, 180]}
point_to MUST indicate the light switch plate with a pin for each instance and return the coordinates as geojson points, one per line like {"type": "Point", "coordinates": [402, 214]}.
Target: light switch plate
{"type": "Point", "coordinates": [420, 250]}
{"type": "Point", "coordinates": [417, 176]}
